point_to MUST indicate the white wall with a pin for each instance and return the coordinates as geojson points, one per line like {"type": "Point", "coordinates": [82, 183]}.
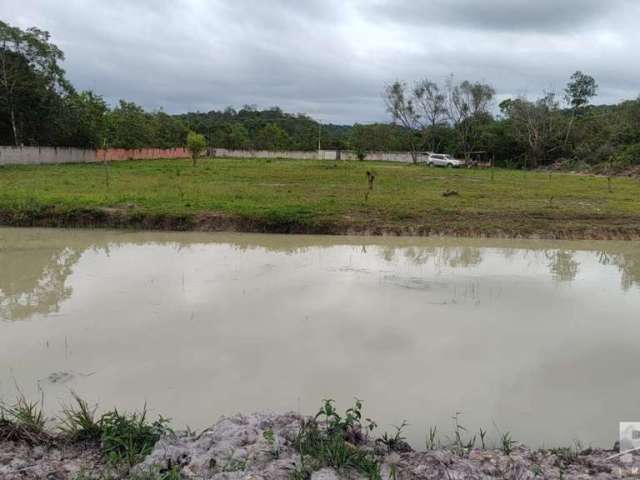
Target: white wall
{"type": "Point", "coordinates": [44, 155]}
{"type": "Point", "coordinates": [404, 157]}
{"type": "Point", "coordinates": [38, 155]}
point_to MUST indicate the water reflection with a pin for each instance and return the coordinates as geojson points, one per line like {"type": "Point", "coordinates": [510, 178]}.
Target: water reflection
{"type": "Point", "coordinates": [35, 264]}
{"type": "Point", "coordinates": [562, 265]}
{"type": "Point", "coordinates": [537, 336]}
{"type": "Point", "coordinates": [33, 281]}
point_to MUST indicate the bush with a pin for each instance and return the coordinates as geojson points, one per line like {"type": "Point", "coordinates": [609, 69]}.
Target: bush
{"type": "Point", "coordinates": [196, 143]}
{"type": "Point", "coordinates": [630, 155]}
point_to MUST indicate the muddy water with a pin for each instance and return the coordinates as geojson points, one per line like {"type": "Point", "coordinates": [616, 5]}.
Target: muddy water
{"type": "Point", "coordinates": [538, 338]}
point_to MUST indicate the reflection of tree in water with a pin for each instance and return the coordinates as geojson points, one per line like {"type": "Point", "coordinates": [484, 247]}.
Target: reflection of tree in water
{"type": "Point", "coordinates": [562, 265]}
{"type": "Point", "coordinates": [440, 256]}
{"type": "Point", "coordinates": [628, 264]}
{"type": "Point", "coordinates": [33, 281]}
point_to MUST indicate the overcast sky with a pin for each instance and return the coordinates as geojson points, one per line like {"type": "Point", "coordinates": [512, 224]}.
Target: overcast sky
{"type": "Point", "coordinates": [331, 58]}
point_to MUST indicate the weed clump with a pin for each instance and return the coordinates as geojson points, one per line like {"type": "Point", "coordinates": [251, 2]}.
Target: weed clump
{"type": "Point", "coordinates": [78, 421]}
{"type": "Point", "coordinates": [128, 438]}
{"type": "Point", "coordinates": [332, 440]}
{"type": "Point", "coordinates": [23, 421]}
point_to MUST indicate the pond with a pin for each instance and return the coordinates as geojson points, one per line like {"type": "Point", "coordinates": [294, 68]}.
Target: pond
{"type": "Point", "coordinates": [537, 338]}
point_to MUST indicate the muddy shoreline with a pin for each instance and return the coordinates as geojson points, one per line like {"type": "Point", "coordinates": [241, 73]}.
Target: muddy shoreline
{"type": "Point", "coordinates": [517, 226]}
{"type": "Point", "coordinates": [263, 446]}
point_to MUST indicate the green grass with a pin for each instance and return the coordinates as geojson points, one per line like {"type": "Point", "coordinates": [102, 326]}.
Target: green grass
{"type": "Point", "coordinates": [320, 196]}
{"type": "Point", "coordinates": [332, 440]}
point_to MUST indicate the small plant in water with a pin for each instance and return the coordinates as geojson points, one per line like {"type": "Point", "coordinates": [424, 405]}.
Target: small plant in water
{"type": "Point", "coordinates": [433, 441]}
{"type": "Point", "coordinates": [461, 445]}
{"type": "Point", "coordinates": [483, 436]}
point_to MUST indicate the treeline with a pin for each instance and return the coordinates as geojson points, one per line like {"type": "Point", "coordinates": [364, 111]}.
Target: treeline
{"type": "Point", "coordinates": [38, 106]}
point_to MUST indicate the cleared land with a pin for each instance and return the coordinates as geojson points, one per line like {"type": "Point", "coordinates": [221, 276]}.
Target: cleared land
{"type": "Point", "coordinates": [296, 196]}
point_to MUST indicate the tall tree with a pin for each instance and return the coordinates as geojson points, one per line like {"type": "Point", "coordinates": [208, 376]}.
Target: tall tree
{"type": "Point", "coordinates": [402, 107]}
{"type": "Point", "coordinates": [468, 107]}
{"type": "Point", "coordinates": [535, 125]}
{"type": "Point", "coordinates": [430, 103]}
{"type": "Point", "coordinates": [578, 93]}
{"type": "Point", "coordinates": [28, 62]}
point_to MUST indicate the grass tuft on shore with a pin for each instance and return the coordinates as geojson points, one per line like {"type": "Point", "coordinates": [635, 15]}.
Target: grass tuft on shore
{"type": "Point", "coordinates": [23, 421]}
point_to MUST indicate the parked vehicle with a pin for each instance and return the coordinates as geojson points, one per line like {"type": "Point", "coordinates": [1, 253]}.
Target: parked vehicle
{"type": "Point", "coordinates": [442, 160]}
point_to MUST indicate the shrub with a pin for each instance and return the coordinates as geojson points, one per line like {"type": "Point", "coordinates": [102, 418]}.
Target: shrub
{"type": "Point", "coordinates": [630, 155]}
{"type": "Point", "coordinates": [196, 143]}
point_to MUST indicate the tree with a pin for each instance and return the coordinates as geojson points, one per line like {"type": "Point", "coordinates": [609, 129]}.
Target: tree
{"type": "Point", "coordinates": [402, 109]}
{"type": "Point", "coordinates": [535, 125]}
{"type": "Point", "coordinates": [579, 91]}
{"type": "Point", "coordinates": [129, 126]}
{"type": "Point", "coordinates": [239, 137]}
{"type": "Point", "coordinates": [196, 143]}
{"type": "Point", "coordinates": [82, 121]}
{"type": "Point", "coordinates": [28, 62]}
{"type": "Point", "coordinates": [468, 107]}
{"type": "Point", "coordinates": [430, 103]}
{"type": "Point", "coordinates": [272, 137]}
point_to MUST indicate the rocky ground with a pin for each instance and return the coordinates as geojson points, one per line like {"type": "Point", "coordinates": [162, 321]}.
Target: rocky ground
{"type": "Point", "coordinates": [20, 460]}
{"type": "Point", "coordinates": [261, 446]}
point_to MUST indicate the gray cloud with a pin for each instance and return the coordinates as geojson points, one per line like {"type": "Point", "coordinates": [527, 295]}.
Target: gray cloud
{"type": "Point", "coordinates": [502, 15]}
{"type": "Point", "coordinates": [331, 58]}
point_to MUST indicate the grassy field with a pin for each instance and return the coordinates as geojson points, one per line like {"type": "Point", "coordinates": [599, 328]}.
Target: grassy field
{"type": "Point", "coordinates": [319, 197]}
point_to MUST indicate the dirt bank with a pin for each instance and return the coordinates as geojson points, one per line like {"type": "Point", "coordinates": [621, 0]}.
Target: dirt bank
{"type": "Point", "coordinates": [554, 226]}
{"type": "Point", "coordinates": [262, 446]}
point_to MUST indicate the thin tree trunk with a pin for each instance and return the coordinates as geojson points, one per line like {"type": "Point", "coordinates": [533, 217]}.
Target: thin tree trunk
{"type": "Point", "coordinates": [573, 117]}
{"type": "Point", "coordinates": [414, 153]}
{"type": "Point", "coordinates": [14, 126]}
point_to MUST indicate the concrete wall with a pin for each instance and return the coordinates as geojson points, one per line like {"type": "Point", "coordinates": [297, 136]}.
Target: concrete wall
{"type": "Point", "coordinates": [44, 155]}
{"type": "Point", "coordinates": [293, 155]}
{"type": "Point", "coordinates": [404, 157]}
{"type": "Point", "coordinates": [37, 155]}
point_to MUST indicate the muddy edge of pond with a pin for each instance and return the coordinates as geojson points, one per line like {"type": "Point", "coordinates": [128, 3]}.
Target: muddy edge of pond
{"type": "Point", "coordinates": [552, 226]}
{"type": "Point", "coordinates": [263, 446]}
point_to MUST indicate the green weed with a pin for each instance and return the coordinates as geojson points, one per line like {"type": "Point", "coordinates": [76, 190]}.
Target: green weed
{"type": "Point", "coordinates": [128, 438]}
{"type": "Point", "coordinates": [331, 440]}
{"type": "Point", "coordinates": [24, 420]}
{"type": "Point", "coordinates": [269, 436]}
{"type": "Point", "coordinates": [394, 442]}
{"type": "Point", "coordinates": [78, 420]}
{"type": "Point", "coordinates": [433, 441]}
{"type": "Point", "coordinates": [507, 443]}
{"type": "Point", "coordinates": [461, 444]}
